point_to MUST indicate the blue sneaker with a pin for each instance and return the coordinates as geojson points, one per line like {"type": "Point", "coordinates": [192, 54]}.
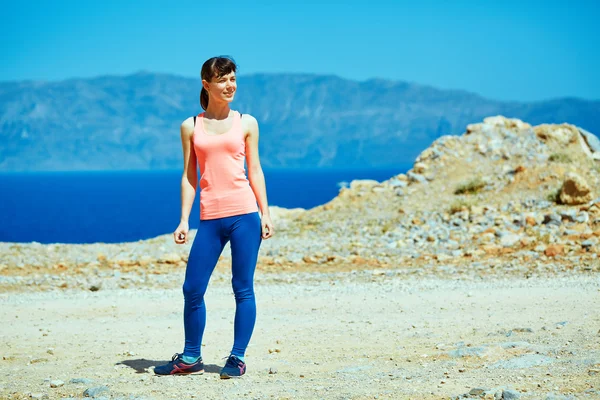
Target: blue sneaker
{"type": "Point", "coordinates": [178, 367]}
{"type": "Point", "coordinates": [234, 367]}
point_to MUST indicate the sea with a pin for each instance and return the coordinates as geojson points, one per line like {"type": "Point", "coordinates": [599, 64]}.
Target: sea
{"type": "Point", "coordinates": [127, 206]}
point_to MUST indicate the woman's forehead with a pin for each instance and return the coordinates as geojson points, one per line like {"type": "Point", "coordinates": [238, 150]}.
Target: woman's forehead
{"type": "Point", "coordinates": [229, 75]}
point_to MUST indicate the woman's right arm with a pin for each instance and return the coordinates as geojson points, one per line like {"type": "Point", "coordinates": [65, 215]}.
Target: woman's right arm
{"type": "Point", "coordinates": [189, 180]}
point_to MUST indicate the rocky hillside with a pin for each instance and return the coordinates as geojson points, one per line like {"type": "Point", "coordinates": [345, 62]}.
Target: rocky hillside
{"type": "Point", "coordinates": [503, 188]}
{"type": "Point", "coordinates": [504, 197]}
{"type": "Point", "coordinates": [132, 122]}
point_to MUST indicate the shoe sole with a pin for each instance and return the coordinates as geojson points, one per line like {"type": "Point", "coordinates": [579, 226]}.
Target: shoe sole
{"type": "Point", "coordinates": [225, 376]}
{"type": "Point", "coordinates": [183, 373]}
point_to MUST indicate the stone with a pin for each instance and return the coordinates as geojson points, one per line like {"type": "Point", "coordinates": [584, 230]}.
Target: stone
{"type": "Point", "coordinates": [56, 383]}
{"type": "Point", "coordinates": [477, 391]}
{"type": "Point", "coordinates": [81, 380]}
{"type": "Point", "coordinates": [552, 219]}
{"type": "Point", "coordinates": [420, 167]}
{"type": "Point", "coordinates": [552, 396]}
{"type": "Point", "coordinates": [95, 391]}
{"type": "Point", "coordinates": [361, 184]}
{"type": "Point", "coordinates": [509, 240]}
{"type": "Point", "coordinates": [562, 134]}
{"type": "Point", "coordinates": [591, 140]}
{"type": "Point", "coordinates": [504, 122]}
{"type": "Point", "coordinates": [510, 395]}
{"type": "Point", "coordinates": [554, 250]}
{"type": "Point", "coordinates": [575, 190]}
{"type": "Point", "coordinates": [587, 244]}
{"type": "Point", "coordinates": [413, 177]}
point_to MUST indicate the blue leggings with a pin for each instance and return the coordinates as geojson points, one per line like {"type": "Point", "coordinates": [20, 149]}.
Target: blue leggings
{"type": "Point", "coordinates": [244, 234]}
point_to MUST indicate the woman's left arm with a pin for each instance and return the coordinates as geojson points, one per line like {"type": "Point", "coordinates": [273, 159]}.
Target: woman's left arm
{"type": "Point", "coordinates": [255, 173]}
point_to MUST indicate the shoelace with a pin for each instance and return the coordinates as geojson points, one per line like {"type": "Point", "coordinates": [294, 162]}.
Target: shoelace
{"type": "Point", "coordinates": [176, 356]}
{"type": "Point", "coordinates": [232, 361]}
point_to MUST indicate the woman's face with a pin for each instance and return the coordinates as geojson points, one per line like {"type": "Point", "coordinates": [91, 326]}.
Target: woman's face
{"type": "Point", "coordinates": [222, 88]}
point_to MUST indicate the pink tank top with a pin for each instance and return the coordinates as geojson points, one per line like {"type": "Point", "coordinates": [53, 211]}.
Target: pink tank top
{"type": "Point", "coordinates": [224, 188]}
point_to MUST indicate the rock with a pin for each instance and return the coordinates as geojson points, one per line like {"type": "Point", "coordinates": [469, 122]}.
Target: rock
{"type": "Point", "coordinates": [529, 330]}
{"type": "Point", "coordinates": [552, 396]}
{"type": "Point", "coordinates": [95, 391]}
{"type": "Point", "coordinates": [413, 177]}
{"type": "Point", "coordinates": [554, 250]}
{"type": "Point", "coordinates": [504, 122]}
{"type": "Point", "coordinates": [510, 395]}
{"type": "Point", "coordinates": [81, 380]}
{"type": "Point", "coordinates": [509, 240]}
{"type": "Point", "coordinates": [467, 352]}
{"type": "Point", "coordinates": [420, 167]}
{"type": "Point", "coordinates": [39, 396]}
{"type": "Point", "coordinates": [94, 287]}
{"type": "Point", "coordinates": [575, 190]}
{"type": "Point", "coordinates": [477, 391]}
{"type": "Point", "coordinates": [591, 140]}
{"type": "Point", "coordinates": [587, 244]}
{"type": "Point", "coordinates": [582, 218]}
{"type": "Point", "coordinates": [552, 219]}
{"type": "Point", "coordinates": [520, 169]}
{"type": "Point", "coordinates": [562, 134]}
{"type": "Point", "coordinates": [56, 383]}
{"type": "Point", "coordinates": [272, 370]}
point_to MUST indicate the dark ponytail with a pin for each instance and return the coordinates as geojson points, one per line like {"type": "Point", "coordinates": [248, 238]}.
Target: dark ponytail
{"type": "Point", "coordinates": [215, 68]}
{"type": "Point", "coordinates": [204, 98]}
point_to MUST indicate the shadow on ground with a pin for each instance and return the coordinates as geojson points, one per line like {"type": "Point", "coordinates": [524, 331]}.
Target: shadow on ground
{"type": "Point", "coordinates": [143, 366]}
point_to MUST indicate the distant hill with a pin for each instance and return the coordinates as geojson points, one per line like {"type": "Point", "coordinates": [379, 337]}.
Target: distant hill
{"type": "Point", "coordinates": [306, 121]}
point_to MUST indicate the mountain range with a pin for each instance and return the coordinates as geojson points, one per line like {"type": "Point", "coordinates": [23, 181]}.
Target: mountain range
{"type": "Point", "coordinates": [306, 121]}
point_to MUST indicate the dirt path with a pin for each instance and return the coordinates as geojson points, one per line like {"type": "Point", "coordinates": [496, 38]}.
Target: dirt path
{"type": "Point", "coordinates": [337, 336]}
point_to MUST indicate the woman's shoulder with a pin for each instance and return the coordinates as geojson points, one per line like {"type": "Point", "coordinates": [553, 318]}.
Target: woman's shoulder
{"type": "Point", "coordinates": [248, 121]}
{"type": "Point", "coordinates": [187, 126]}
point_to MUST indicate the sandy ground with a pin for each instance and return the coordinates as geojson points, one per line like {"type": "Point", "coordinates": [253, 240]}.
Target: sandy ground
{"type": "Point", "coordinates": [359, 335]}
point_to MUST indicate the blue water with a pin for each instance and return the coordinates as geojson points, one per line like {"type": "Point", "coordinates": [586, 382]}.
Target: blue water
{"type": "Point", "coordinates": [110, 207]}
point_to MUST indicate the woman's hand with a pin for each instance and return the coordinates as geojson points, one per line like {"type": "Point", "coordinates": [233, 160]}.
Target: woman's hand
{"type": "Point", "coordinates": [267, 226]}
{"type": "Point", "coordinates": [180, 234]}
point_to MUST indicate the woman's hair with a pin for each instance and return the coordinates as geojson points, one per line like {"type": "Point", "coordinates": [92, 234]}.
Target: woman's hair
{"type": "Point", "coordinates": [215, 67]}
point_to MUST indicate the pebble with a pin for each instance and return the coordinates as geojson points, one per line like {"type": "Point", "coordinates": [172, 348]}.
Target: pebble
{"type": "Point", "coordinates": [477, 391]}
{"type": "Point", "coordinates": [81, 380]}
{"type": "Point", "coordinates": [56, 383]}
{"type": "Point", "coordinates": [552, 396]}
{"type": "Point", "coordinates": [94, 287]}
{"type": "Point", "coordinates": [95, 391]}
{"type": "Point", "coordinates": [510, 395]}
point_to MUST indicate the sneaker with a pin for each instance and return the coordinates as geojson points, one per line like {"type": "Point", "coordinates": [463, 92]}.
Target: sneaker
{"type": "Point", "coordinates": [178, 367]}
{"type": "Point", "coordinates": [234, 367]}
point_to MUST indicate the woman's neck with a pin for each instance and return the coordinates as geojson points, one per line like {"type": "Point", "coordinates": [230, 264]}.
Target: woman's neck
{"type": "Point", "coordinates": [217, 111]}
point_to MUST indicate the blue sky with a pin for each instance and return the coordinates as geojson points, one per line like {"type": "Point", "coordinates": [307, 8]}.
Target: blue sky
{"type": "Point", "coordinates": [506, 50]}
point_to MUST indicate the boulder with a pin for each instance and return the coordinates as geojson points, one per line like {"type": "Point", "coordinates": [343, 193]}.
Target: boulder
{"type": "Point", "coordinates": [575, 190]}
{"type": "Point", "coordinates": [562, 134]}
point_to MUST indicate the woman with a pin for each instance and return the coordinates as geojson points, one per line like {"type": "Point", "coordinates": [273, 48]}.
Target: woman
{"type": "Point", "coordinates": [218, 141]}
